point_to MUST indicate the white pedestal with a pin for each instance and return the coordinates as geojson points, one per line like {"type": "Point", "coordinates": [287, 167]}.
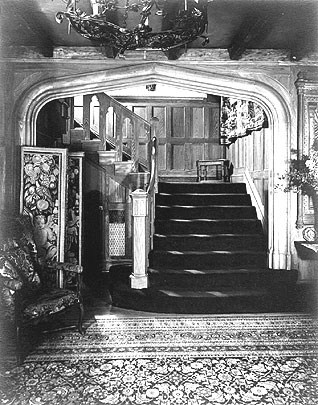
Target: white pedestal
{"type": "Point", "coordinates": [139, 278]}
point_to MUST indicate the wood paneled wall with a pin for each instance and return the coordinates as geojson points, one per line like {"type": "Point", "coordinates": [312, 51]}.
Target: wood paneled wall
{"type": "Point", "coordinates": [188, 130]}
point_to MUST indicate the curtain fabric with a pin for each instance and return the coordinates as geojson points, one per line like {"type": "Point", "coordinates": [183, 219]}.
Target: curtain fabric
{"type": "Point", "coordinates": [240, 118]}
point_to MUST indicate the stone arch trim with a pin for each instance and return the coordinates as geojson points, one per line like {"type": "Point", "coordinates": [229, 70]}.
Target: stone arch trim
{"type": "Point", "coordinates": [262, 89]}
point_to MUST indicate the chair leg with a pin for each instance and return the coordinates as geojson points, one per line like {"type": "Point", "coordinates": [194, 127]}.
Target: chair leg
{"type": "Point", "coordinates": [80, 319]}
{"type": "Point", "coordinates": [18, 345]}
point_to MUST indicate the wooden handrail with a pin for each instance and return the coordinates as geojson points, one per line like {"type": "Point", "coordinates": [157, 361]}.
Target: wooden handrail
{"type": "Point", "coordinates": [153, 157]}
{"type": "Point", "coordinates": [255, 197]}
{"type": "Point", "coordinates": [120, 107]}
{"type": "Point", "coordinates": [153, 182]}
{"type": "Point", "coordinates": [153, 166]}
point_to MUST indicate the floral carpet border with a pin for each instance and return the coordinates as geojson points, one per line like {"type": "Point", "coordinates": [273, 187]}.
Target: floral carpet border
{"type": "Point", "coordinates": [213, 336]}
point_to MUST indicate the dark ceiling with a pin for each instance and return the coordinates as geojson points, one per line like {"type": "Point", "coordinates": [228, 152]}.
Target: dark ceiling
{"type": "Point", "coordinates": [232, 24]}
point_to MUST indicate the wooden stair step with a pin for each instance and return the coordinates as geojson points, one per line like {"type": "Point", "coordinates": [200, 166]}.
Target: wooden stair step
{"type": "Point", "coordinates": [210, 211]}
{"type": "Point", "coordinates": [196, 187]}
{"type": "Point", "coordinates": [209, 242]}
{"type": "Point", "coordinates": [207, 226]}
{"type": "Point", "coordinates": [206, 259]}
{"type": "Point", "coordinates": [203, 199]}
{"type": "Point", "coordinates": [197, 279]}
{"type": "Point", "coordinates": [219, 293]}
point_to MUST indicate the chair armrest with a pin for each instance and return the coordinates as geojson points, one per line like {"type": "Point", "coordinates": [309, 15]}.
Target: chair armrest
{"type": "Point", "coordinates": [68, 267]}
{"type": "Point", "coordinates": [11, 284]}
{"type": "Point", "coordinates": [10, 289]}
{"type": "Point", "coordinates": [9, 277]}
{"type": "Point", "coordinates": [68, 275]}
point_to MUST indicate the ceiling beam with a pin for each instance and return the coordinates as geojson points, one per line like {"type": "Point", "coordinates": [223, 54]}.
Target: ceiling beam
{"type": "Point", "coordinates": [25, 19]}
{"type": "Point", "coordinates": [302, 48]}
{"type": "Point", "coordinates": [250, 31]}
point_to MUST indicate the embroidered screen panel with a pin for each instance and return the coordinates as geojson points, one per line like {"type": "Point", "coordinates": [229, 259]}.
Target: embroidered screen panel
{"type": "Point", "coordinates": [73, 238]}
{"type": "Point", "coordinates": [43, 198]}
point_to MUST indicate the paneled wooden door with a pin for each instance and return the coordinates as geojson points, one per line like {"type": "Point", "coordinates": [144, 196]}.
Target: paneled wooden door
{"type": "Point", "coordinates": [187, 131]}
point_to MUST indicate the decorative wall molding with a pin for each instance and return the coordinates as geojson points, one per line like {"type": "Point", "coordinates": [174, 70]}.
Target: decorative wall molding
{"type": "Point", "coordinates": [272, 55]}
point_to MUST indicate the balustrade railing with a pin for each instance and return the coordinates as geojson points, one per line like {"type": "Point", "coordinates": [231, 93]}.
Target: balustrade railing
{"type": "Point", "coordinates": [118, 128]}
{"type": "Point", "coordinates": [125, 129]}
{"type": "Point", "coordinates": [126, 136]}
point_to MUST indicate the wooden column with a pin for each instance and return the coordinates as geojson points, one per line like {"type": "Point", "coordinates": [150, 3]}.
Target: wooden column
{"type": "Point", "coordinates": [139, 277]}
{"type": "Point", "coordinates": [300, 85]}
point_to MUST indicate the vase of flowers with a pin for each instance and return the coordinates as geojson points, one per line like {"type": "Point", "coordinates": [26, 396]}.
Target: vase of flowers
{"type": "Point", "coordinates": [302, 177]}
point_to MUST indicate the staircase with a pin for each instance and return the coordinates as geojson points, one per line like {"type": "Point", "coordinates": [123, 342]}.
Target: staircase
{"type": "Point", "coordinates": [209, 256]}
{"type": "Point", "coordinates": [120, 152]}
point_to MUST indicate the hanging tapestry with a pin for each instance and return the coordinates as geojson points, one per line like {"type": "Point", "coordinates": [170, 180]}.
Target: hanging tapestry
{"type": "Point", "coordinates": [240, 118]}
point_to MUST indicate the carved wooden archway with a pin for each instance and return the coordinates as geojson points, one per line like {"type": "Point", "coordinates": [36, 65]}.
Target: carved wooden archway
{"type": "Point", "coordinates": [261, 88]}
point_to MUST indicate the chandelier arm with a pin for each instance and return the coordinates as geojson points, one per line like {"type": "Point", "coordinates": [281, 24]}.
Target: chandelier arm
{"type": "Point", "coordinates": [189, 25]}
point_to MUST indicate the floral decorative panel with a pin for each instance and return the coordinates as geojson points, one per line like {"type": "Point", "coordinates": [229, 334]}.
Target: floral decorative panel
{"type": "Point", "coordinates": [117, 233]}
{"type": "Point", "coordinates": [240, 118]}
{"type": "Point", "coordinates": [43, 197]}
{"type": "Point", "coordinates": [73, 246]}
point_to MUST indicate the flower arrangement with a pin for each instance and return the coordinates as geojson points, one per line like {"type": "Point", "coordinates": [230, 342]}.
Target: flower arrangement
{"type": "Point", "coordinates": [302, 176]}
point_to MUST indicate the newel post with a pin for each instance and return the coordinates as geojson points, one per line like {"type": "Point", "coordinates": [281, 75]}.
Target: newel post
{"type": "Point", "coordinates": [139, 277]}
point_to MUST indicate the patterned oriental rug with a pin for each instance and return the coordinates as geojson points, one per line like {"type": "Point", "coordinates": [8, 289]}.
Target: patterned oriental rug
{"type": "Point", "coordinates": [194, 360]}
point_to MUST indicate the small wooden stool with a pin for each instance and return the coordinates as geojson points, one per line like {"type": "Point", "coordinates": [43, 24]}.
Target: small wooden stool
{"type": "Point", "coordinates": [213, 170]}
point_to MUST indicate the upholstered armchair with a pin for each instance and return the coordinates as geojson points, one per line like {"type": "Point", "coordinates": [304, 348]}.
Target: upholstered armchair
{"type": "Point", "coordinates": [29, 292]}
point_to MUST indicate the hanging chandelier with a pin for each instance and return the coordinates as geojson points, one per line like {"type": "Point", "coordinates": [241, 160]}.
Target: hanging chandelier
{"type": "Point", "coordinates": [182, 22]}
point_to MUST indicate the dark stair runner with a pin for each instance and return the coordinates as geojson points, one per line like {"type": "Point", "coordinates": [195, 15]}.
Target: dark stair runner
{"type": "Point", "coordinates": [209, 256]}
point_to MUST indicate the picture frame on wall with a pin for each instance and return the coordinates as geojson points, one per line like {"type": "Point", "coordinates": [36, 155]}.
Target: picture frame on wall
{"type": "Point", "coordinates": [43, 198]}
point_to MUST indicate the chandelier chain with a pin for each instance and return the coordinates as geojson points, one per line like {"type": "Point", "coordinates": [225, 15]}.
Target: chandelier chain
{"type": "Point", "coordinates": [126, 14]}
